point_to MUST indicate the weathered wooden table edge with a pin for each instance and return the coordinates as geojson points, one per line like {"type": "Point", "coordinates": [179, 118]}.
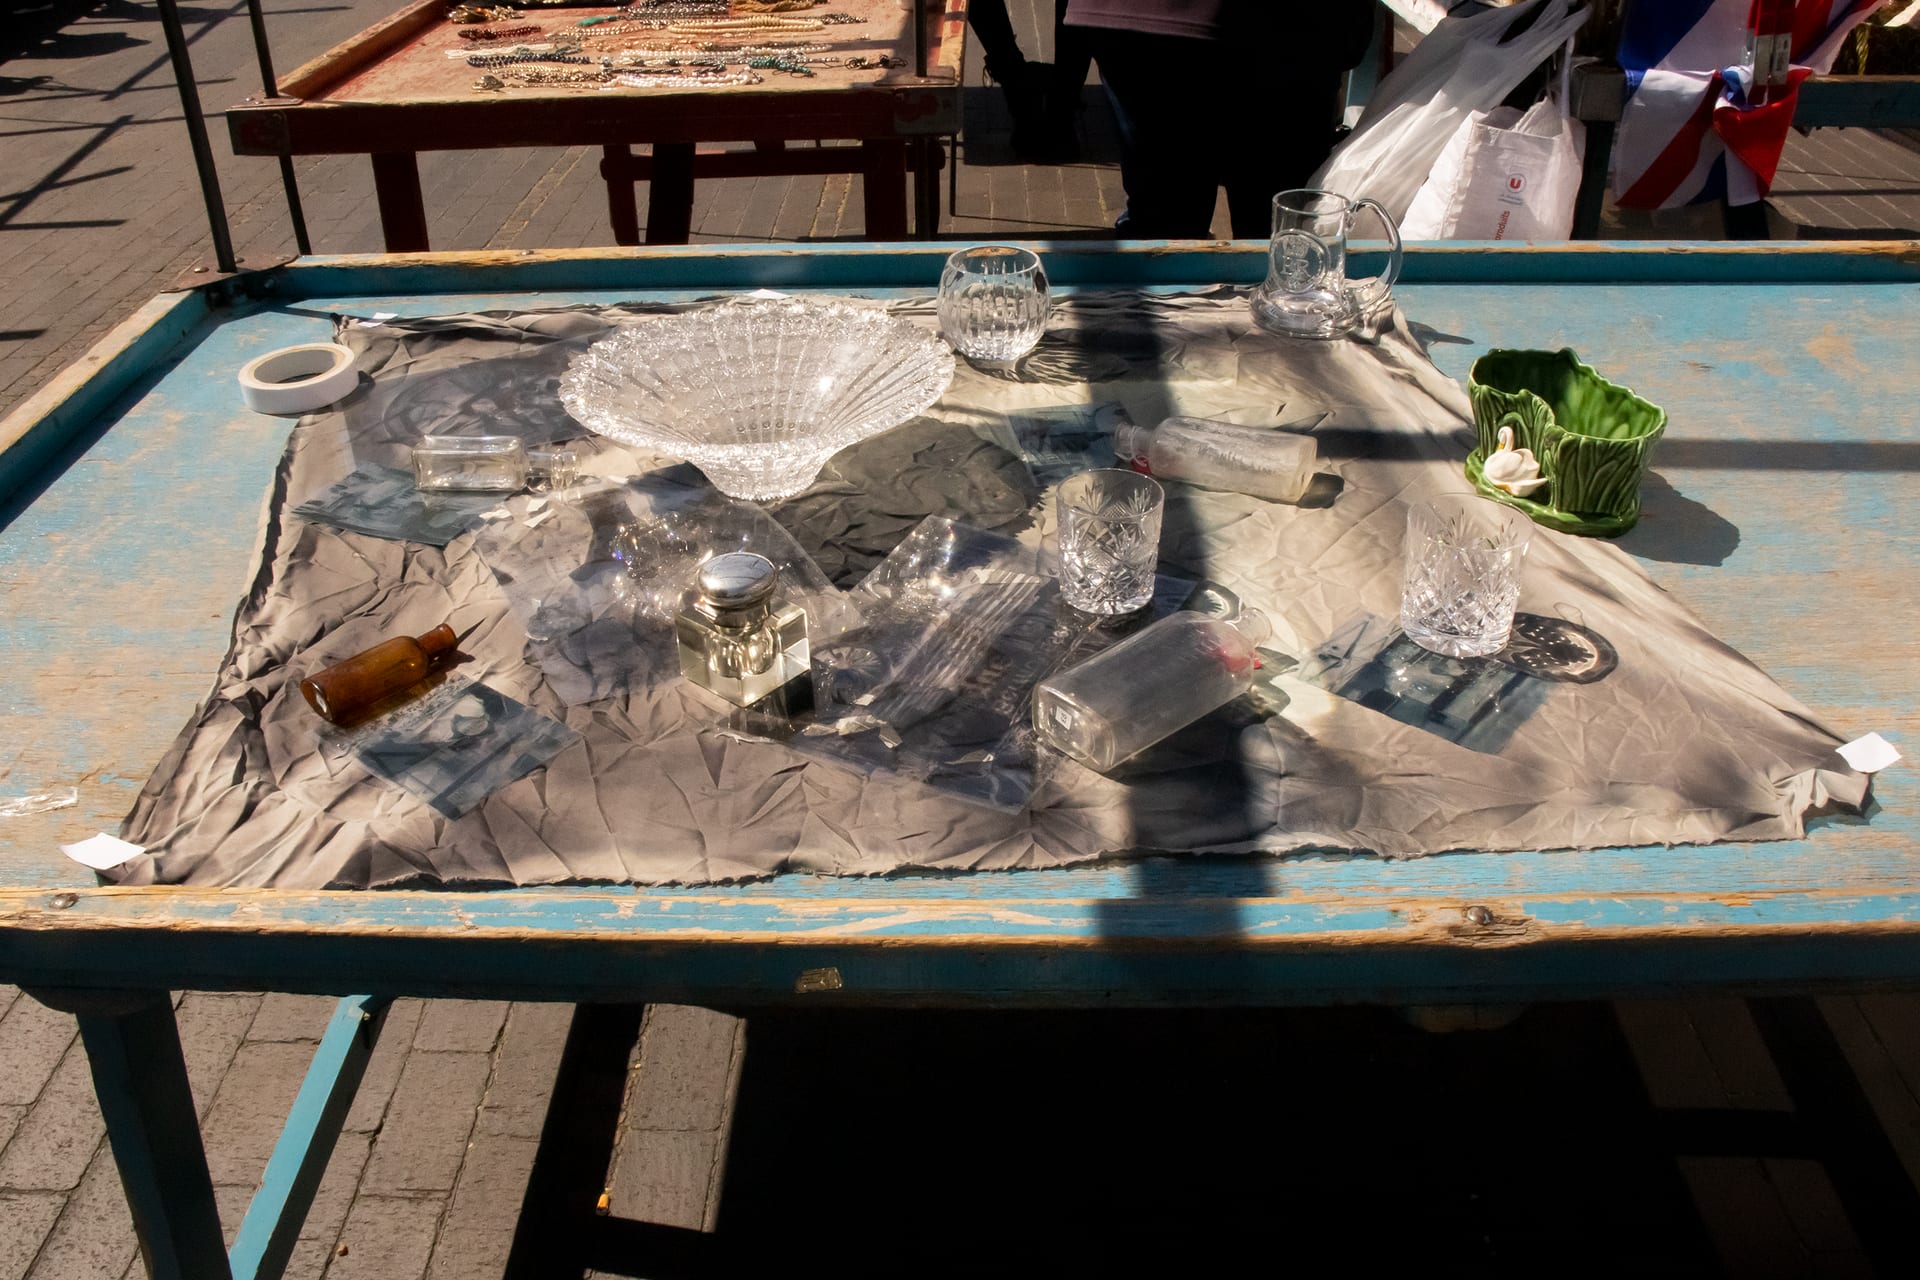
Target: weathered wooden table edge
{"type": "Point", "coordinates": [897, 120]}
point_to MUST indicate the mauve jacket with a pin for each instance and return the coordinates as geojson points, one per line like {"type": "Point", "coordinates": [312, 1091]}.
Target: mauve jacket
{"type": "Point", "coordinates": [1322, 31]}
{"type": "Point", "coordinates": [1198, 19]}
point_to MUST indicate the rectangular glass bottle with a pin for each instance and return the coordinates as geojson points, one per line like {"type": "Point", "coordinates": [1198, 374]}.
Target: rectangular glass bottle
{"type": "Point", "coordinates": [1158, 680]}
{"type": "Point", "coordinates": [485, 464]}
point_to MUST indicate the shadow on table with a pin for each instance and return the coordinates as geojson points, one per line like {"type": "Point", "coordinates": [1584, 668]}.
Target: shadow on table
{"type": "Point", "coordinates": [1675, 529]}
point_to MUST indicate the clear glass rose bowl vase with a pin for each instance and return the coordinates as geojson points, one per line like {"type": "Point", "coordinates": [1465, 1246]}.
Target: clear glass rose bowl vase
{"type": "Point", "coordinates": [757, 393]}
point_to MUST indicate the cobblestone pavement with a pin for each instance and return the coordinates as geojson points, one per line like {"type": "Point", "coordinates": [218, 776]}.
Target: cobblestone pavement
{"type": "Point", "coordinates": [430, 1175]}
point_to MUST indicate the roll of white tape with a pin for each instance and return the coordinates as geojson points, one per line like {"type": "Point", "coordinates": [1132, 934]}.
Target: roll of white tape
{"type": "Point", "coordinates": [298, 379]}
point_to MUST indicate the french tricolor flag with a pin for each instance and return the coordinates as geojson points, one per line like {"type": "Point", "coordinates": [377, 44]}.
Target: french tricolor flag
{"type": "Point", "coordinates": [1691, 131]}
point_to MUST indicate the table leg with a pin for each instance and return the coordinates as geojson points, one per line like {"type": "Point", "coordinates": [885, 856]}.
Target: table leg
{"type": "Point", "coordinates": [883, 167]}
{"type": "Point", "coordinates": [670, 194]}
{"type": "Point", "coordinates": [140, 1077]}
{"type": "Point", "coordinates": [926, 188]}
{"type": "Point", "coordinates": [299, 1160]}
{"type": "Point", "coordinates": [403, 211]}
{"type": "Point", "coordinates": [1592, 195]}
{"type": "Point", "coordinates": [623, 210]}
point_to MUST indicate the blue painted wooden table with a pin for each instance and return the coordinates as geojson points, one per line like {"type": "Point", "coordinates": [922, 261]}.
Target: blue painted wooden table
{"type": "Point", "coordinates": [1780, 511]}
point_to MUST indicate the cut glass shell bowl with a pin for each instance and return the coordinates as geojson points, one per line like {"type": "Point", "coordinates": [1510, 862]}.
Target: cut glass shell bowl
{"type": "Point", "coordinates": [757, 393]}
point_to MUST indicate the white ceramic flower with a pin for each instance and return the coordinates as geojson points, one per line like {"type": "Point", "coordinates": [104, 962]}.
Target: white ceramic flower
{"type": "Point", "coordinates": [1515, 470]}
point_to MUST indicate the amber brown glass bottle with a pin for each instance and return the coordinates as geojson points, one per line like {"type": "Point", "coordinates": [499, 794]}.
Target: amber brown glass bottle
{"type": "Point", "coordinates": [345, 689]}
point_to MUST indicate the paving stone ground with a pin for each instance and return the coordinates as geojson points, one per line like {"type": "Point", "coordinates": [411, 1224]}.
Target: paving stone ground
{"type": "Point", "coordinates": [101, 212]}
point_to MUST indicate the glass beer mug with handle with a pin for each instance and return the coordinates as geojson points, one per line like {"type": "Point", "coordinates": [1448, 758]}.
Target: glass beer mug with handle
{"type": "Point", "coordinates": [1307, 293]}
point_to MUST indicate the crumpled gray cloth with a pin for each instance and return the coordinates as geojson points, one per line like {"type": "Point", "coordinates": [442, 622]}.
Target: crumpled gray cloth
{"type": "Point", "coordinates": [1682, 741]}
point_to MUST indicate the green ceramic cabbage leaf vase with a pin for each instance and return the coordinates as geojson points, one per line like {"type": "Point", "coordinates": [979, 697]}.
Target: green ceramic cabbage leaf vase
{"type": "Point", "coordinates": [1593, 438]}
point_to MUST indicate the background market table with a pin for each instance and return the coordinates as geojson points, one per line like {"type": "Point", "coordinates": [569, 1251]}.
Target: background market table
{"type": "Point", "coordinates": [393, 91]}
{"type": "Point", "coordinates": [1779, 510]}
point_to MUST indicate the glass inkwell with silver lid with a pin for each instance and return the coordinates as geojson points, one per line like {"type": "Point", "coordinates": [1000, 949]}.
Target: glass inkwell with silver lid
{"type": "Point", "coordinates": [741, 640]}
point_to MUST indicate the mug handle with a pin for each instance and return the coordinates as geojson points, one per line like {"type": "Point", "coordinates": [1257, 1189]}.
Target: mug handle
{"type": "Point", "coordinates": [1372, 292]}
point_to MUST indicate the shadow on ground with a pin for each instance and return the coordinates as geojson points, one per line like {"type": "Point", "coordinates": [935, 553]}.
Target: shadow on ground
{"type": "Point", "coordinates": [1069, 1143]}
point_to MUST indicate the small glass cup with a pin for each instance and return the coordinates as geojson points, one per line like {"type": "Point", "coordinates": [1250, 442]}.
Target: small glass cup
{"type": "Point", "coordinates": [1464, 556]}
{"type": "Point", "coordinates": [993, 303]}
{"type": "Point", "coordinates": [1109, 539]}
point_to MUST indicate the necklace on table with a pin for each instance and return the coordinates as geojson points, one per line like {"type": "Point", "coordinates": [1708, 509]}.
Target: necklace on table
{"type": "Point", "coordinates": [681, 8]}
{"type": "Point", "coordinates": [727, 52]}
{"type": "Point", "coordinates": [470, 14]}
{"type": "Point", "coordinates": [793, 59]}
{"type": "Point", "coordinates": [650, 80]}
{"type": "Point", "coordinates": [780, 62]}
{"type": "Point", "coordinates": [728, 26]}
{"type": "Point", "coordinates": [498, 33]}
{"type": "Point", "coordinates": [540, 77]}
{"type": "Point", "coordinates": [523, 54]}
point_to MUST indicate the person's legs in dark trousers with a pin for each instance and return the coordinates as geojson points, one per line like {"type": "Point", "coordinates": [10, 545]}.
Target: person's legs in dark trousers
{"type": "Point", "coordinates": [1000, 51]}
{"type": "Point", "coordinates": [1283, 92]}
{"type": "Point", "coordinates": [1072, 59]}
{"type": "Point", "coordinates": [1168, 135]}
{"type": "Point", "coordinates": [994, 29]}
{"type": "Point", "coordinates": [1271, 156]}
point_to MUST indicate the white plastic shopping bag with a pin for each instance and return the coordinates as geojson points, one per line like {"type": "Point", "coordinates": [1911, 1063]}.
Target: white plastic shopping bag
{"type": "Point", "coordinates": [1504, 175]}
{"type": "Point", "coordinates": [1464, 65]}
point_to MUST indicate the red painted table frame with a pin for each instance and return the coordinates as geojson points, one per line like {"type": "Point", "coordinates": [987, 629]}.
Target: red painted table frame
{"type": "Point", "coordinates": [896, 118]}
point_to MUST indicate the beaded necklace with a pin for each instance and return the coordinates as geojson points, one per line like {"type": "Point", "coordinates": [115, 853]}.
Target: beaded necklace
{"type": "Point", "coordinates": [655, 80]}
{"type": "Point", "coordinates": [781, 62]}
{"type": "Point", "coordinates": [524, 54]}
{"type": "Point", "coordinates": [734, 52]}
{"type": "Point", "coordinates": [472, 14]}
{"type": "Point", "coordinates": [540, 77]}
{"type": "Point", "coordinates": [498, 33]}
{"type": "Point", "coordinates": [681, 8]}
{"type": "Point", "coordinates": [767, 22]}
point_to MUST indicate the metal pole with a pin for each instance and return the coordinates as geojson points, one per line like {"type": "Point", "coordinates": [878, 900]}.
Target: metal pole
{"type": "Point", "coordinates": [197, 135]}
{"type": "Point", "coordinates": [271, 87]}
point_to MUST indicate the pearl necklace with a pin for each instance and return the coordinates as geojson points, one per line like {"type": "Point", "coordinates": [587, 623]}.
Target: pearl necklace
{"type": "Point", "coordinates": [653, 80]}
{"type": "Point", "coordinates": [719, 52]}
{"type": "Point", "coordinates": [727, 26]}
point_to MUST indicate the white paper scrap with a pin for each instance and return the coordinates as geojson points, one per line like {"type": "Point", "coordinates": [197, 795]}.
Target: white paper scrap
{"type": "Point", "coordinates": [102, 852]}
{"type": "Point", "coordinates": [1870, 754]}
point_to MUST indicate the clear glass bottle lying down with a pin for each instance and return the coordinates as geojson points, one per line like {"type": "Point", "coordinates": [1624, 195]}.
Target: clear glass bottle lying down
{"type": "Point", "coordinates": [1262, 461]}
{"type": "Point", "coordinates": [1123, 700]}
{"type": "Point", "coordinates": [481, 464]}
{"type": "Point", "coordinates": [739, 639]}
